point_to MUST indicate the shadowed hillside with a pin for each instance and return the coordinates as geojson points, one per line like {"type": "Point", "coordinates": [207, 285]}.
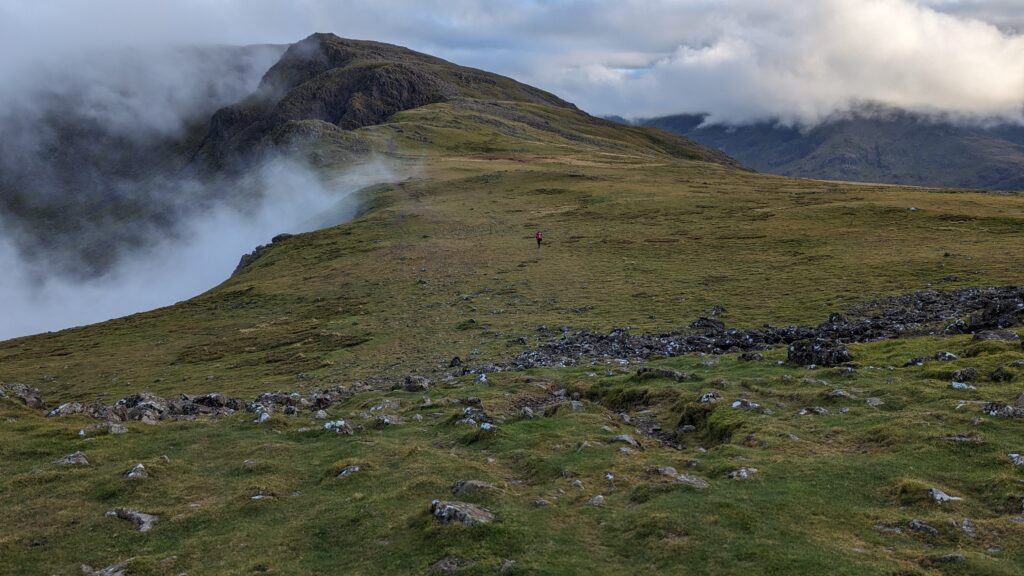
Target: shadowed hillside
{"type": "Point", "coordinates": [871, 146]}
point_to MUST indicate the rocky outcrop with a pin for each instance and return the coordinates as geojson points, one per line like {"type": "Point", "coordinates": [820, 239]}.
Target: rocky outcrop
{"type": "Point", "coordinates": [930, 312]}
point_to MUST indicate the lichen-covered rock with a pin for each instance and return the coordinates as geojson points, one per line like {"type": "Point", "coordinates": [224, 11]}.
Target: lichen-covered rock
{"type": "Point", "coordinates": [30, 396]}
{"type": "Point", "coordinates": [460, 512]}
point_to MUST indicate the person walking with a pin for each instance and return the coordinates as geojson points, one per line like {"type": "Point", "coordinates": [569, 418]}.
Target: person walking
{"type": "Point", "coordinates": [540, 237]}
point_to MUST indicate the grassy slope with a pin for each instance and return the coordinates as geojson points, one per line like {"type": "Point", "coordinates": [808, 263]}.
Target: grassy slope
{"type": "Point", "coordinates": [634, 236]}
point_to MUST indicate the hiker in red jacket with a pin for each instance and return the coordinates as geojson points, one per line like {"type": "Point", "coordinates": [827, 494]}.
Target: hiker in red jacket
{"type": "Point", "coordinates": [539, 236]}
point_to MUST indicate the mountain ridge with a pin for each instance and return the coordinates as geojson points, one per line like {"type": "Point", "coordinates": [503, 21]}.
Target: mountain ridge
{"type": "Point", "coordinates": [870, 145]}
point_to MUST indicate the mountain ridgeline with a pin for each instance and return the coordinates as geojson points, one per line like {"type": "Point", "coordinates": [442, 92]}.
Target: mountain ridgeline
{"type": "Point", "coordinates": [870, 145]}
{"type": "Point", "coordinates": [79, 190]}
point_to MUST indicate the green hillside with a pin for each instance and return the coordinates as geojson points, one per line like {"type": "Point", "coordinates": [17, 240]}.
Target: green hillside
{"type": "Point", "coordinates": [642, 229]}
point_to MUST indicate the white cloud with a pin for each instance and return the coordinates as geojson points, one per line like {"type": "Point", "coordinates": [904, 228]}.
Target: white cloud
{"type": "Point", "coordinates": [737, 59]}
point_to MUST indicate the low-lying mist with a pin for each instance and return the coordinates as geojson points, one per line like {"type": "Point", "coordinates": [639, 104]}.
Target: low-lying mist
{"type": "Point", "coordinates": [197, 253]}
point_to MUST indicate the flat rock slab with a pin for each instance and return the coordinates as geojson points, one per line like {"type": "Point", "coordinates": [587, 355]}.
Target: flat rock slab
{"type": "Point", "coordinates": [76, 459]}
{"type": "Point", "coordinates": [143, 522]}
{"type": "Point", "coordinates": [997, 335]}
{"type": "Point", "coordinates": [112, 570]}
{"type": "Point", "coordinates": [460, 512]}
{"type": "Point", "coordinates": [464, 488]}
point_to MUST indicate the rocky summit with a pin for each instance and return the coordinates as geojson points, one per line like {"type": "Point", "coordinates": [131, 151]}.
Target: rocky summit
{"type": "Point", "coordinates": [546, 343]}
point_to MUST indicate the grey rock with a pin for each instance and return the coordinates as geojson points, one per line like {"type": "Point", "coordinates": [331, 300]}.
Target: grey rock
{"type": "Point", "coordinates": [710, 397]}
{"type": "Point", "coordinates": [143, 522]}
{"type": "Point", "coordinates": [967, 527]}
{"type": "Point", "coordinates": [818, 352]}
{"type": "Point", "coordinates": [339, 426]}
{"type": "Point", "coordinates": [692, 480]}
{"type": "Point", "coordinates": [813, 410]}
{"type": "Point", "coordinates": [961, 386]}
{"type": "Point", "coordinates": [460, 512]}
{"type": "Point", "coordinates": [996, 335]}
{"type": "Point", "coordinates": [138, 472]}
{"type": "Point", "coordinates": [416, 384]}
{"type": "Point", "coordinates": [348, 470]}
{"type": "Point", "coordinates": [887, 529]}
{"type": "Point", "coordinates": [1017, 459]}
{"type": "Point", "coordinates": [67, 409]}
{"type": "Point", "coordinates": [744, 404]}
{"type": "Point", "coordinates": [112, 570]}
{"type": "Point", "coordinates": [450, 565]}
{"type": "Point", "coordinates": [626, 439]}
{"type": "Point", "coordinates": [941, 497]}
{"type": "Point", "coordinates": [320, 415]}
{"type": "Point", "coordinates": [874, 402]}
{"type": "Point", "coordinates": [30, 396]}
{"type": "Point", "coordinates": [596, 501]}
{"type": "Point", "coordinates": [919, 526]}
{"type": "Point", "coordinates": [464, 488]}
{"type": "Point", "coordinates": [76, 459]}
{"type": "Point", "coordinates": [1001, 374]}
{"type": "Point", "coordinates": [742, 473]}
{"type": "Point", "coordinates": [966, 374]}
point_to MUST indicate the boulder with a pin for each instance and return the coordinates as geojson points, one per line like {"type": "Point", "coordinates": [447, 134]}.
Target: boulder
{"type": "Point", "coordinates": [416, 384]}
{"type": "Point", "coordinates": [919, 526]}
{"type": "Point", "coordinates": [742, 473]}
{"type": "Point", "coordinates": [965, 374]}
{"type": "Point", "coordinates": [1001, 374]}
{"type": "Point", "coordinates": [626, 439]}
{"type": "Point", "coordinates": [138, 472]}
{"type": "Point", "coordinates": [596, 501]}
{"type": "Point", "coordinates": [710, 397]}
{"type": "Point", "coordinates": [941, 497]}
{"type": "Point", "coordinates": [448, 512]}
{"type": "Point", "coordinates": [348, 470]}
{"type": "Point", "coordinates": [67, 409]}
{"type": "Point", "coordinates": [30, 396]}
{"type": "Point", "coordinates": [339, 426]}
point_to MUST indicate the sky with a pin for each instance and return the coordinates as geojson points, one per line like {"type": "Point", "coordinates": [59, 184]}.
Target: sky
{"type": "Point", "coordinates": [738, 60]}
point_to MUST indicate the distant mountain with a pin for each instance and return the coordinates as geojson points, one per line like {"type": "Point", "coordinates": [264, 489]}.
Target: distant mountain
{"type": "Point", "coordinates": [870, 146]}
